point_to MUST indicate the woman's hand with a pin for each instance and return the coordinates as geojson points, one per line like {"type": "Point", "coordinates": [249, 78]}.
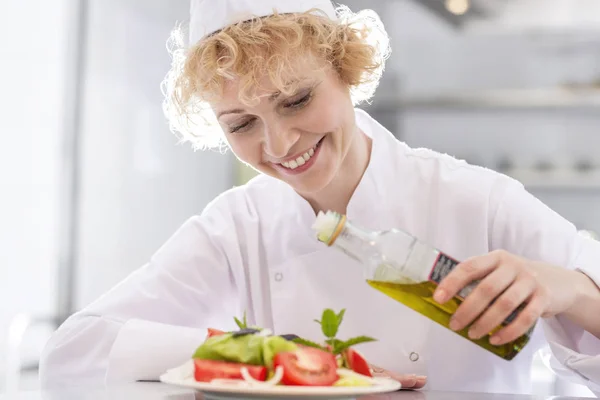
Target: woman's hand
{"type": "Point", "coordinates": [407, 381]}
{"type": "Point", "coordinates": [508, 281]}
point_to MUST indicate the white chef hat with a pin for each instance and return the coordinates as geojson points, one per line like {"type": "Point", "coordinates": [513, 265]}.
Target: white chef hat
{"type": "Point", "coordinates": [209, 16]}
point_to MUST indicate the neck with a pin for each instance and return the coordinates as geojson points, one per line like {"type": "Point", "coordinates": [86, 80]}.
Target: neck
{"type": "Point", "coordinates": [337, 194]}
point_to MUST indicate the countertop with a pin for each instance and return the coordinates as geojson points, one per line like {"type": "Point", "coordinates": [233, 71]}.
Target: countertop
{"type": "Point", "coordinates": [158, 391]}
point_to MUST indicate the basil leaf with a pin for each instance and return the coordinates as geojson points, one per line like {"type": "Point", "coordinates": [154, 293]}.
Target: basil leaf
{"type": "Point", "coordinates": [335, 344]}
{"type": "Point", "coordinates": [329, 323]}
{"type": "Point", "coordinates": [239, 323]}
{"type": "Point", "coordinates": [340, 316]}
{"type": "Point", "coordinates": [353, 342]}
{"type": "Point", "coordinates": [308, 343]}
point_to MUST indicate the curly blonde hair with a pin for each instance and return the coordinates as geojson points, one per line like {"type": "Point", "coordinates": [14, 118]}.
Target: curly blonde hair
{"type": "Point", "coordinates": [356, 46]}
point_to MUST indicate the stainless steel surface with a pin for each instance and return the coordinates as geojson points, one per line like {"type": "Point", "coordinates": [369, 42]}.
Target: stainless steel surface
{"type": "Point", "coordinates": [583, 99]}
{"type": "Point", "coordinates": [157, 391]}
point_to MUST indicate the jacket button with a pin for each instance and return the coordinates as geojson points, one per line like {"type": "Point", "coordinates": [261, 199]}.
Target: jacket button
{"type": "Point", "coordinates": [414, 356]}
{"type": "Point", "coordinates": [278, 277]}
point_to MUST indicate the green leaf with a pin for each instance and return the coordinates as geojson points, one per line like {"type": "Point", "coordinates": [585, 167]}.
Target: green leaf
{"type": "Point", "coordinates": [334, 343]}
{"type": "Point", "coordinates": [239, 323]}
{"type": "Point", "coordinates": [272, 345]}
{"type": "Point", "coordinates": [243, 349]}
{"type": "Point", "coordinates": [353, 342]}
{"type": "Point", "coordinates": [329, 323]}
{"type": "Point", "coordinates": [340, 316]}
{"type": "Point", "coordinates": [308, 343]}
{"type": "Point", "coordinates": [243, 324]}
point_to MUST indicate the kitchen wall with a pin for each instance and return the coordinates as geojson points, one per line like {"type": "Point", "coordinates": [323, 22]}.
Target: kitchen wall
{"type": "Point", "coordinates": [31, 110]}
{"type": "Point", "coordinates": [516, 97]}
{"type": "Point", "coordinates": [137, 185]}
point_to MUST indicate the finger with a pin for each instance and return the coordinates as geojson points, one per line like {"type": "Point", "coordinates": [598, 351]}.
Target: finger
{"type": "Point", "coordinates": [377, 371]}
{"type": "Point", "coordinates": [482, 296]}
{"type": "Point", "coordinates": [407, 381]}
{"type": "Point", "coordinates": [465, 273]}
{"type": "Point", "coordinates": [421, 382]}
{"type": "Point", "coordinates": [508, 302]}
{"type": "Point", "coordinates": [526, 319]}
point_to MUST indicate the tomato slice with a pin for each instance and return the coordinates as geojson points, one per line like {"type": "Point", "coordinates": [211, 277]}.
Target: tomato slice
{"type": "Point", "coordinates": [307, 366]}
{"type": "Point", "coordinates": [214, 332]}
{"type": "Point", "coordinates": [357, 362]}
{"type": "Point", "coordinates": [207, 370]}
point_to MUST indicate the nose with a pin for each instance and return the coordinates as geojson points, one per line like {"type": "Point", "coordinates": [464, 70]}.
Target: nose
{"type": "Point", "coordinates": [279, 139]}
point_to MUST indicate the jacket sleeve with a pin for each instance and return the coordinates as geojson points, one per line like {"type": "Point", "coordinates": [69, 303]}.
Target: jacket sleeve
{"type": "Point", "coordinates": [154, 319]}
{"type": "Point", "coordinates": [524, 225]}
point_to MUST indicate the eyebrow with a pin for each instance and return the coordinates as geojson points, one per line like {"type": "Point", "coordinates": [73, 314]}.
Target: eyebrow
{"type": "Point", "coordinates": [232, 111]}
{"type": "Point", "coordinates": [272, 97]}
{"type": "Point", "coordinates": [276, 94]}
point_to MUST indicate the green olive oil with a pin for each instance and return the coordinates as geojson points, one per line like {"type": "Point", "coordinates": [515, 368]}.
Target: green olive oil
{"type": "Point", "coordinates": [407, 270]}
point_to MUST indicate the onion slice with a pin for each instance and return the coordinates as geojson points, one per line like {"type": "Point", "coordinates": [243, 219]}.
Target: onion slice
{"type": "Point", "coordinates": [344, 372]}
{"type": "Point", "coordinates": [271, 382]}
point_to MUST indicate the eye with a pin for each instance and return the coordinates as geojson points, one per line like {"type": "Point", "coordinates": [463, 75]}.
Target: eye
{"type": "Point", "coordinates": [241, 127]}
{"type": "Point", "coordinates": [299, 102]}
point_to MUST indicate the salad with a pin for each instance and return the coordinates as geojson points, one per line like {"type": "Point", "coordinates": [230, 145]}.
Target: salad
{"type": "Point", "coordinates": [255, 356]}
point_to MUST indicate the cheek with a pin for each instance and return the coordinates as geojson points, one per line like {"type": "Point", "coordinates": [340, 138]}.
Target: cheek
{"type": "Point", "coordinates": [324, 116]}
{"type": "Point", "coordinates": [245, 149]}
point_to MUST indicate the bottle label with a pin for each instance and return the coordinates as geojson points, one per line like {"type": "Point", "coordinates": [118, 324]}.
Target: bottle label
{"type": "Point", "coordinates": [441, 268]}
{"type": "Point", "coordinates": [444, 265]}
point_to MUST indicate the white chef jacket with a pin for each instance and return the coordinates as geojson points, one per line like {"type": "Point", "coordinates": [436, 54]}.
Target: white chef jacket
{"type": "Point", "coordinates": [253, 249]}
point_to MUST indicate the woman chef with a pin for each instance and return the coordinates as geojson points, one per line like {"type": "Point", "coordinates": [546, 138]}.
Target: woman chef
{"type": "Point", "coordinates": [277, 82]}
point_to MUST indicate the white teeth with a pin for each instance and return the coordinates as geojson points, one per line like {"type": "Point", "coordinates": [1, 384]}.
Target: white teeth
{"type": "Point", "coordinates": [300, 160]}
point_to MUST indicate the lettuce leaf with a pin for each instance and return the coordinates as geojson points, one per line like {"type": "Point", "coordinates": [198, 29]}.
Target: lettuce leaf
{"type": "Point", "coordinates": [273, 345]}
{"type": "Point", "coordinates": [246, 349]}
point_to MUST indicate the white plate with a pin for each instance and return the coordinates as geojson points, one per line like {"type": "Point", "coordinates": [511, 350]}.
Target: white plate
{"type": "Point", "coordinates": [227, 390]}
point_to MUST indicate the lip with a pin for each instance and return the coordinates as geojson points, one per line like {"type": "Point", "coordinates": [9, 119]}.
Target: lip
{"type": "Point", "coordinates": [303, 167]}
{"type": "Point", "coordinates": [290, 158]}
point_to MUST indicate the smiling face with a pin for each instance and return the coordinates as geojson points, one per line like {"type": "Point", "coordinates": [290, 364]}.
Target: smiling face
{"type": "Point", "coordinates": [283, 87]}
{"type": "Point", "coordinates": [302, 139]}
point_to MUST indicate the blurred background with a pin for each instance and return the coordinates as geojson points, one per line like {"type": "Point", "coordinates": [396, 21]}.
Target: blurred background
{"type": "Point", "coordinates": [93, 182]}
